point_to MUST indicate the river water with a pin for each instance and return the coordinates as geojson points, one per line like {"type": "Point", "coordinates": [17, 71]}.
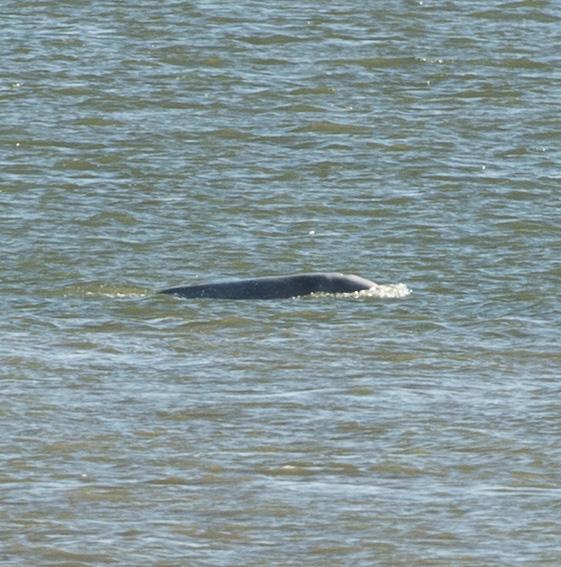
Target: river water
{"type": "Point", "coordinates": [152, 144]}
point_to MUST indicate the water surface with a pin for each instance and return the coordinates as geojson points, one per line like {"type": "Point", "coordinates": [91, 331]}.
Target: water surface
{"type": "Point", "coordinates": [150, 145]}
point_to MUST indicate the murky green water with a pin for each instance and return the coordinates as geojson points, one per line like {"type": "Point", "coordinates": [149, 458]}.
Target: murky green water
{"type": "Point", "coordinates": [151, 144]}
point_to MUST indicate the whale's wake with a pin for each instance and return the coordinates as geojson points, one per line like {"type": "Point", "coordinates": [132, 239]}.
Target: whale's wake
{"type": "Point", "coordinates": [382, 291]}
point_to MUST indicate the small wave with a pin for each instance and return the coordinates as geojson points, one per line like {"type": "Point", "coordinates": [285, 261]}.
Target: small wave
{"type": "Point", "coordinates": [104, 290]}
{"type": "Point", "coordinates": [394, 291]}
{"type": "Point", "coordinates": [386, 291]}
{"type": "Point", "coordinates": [330, 127]}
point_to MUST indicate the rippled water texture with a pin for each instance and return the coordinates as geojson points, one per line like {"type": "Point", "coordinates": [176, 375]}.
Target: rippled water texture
{"type": "Point", "coordinates": [155, 144]}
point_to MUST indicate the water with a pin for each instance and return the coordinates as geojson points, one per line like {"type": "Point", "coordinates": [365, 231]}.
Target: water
{"type": "Point", "coordinates": [146, 145]}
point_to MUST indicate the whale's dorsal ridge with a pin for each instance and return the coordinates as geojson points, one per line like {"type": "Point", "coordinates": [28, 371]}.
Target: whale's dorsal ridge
{"type": "Point", "coordinates": [275, 287]}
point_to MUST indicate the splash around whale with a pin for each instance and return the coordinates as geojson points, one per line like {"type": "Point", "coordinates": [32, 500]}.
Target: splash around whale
{"type": "Point", "coordinates": [275, 287]}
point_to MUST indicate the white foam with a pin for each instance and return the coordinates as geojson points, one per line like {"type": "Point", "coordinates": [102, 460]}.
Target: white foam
{"type": "Point", "coordinates": [395, 291]}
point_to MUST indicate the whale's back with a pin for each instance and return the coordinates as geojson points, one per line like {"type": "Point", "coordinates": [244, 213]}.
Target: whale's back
{"type": "Point", "coordinates": [274, 287]}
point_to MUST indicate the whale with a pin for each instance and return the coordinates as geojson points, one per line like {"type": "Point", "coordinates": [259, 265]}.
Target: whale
{"type": "Point", "coordinates": [274, 287]}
